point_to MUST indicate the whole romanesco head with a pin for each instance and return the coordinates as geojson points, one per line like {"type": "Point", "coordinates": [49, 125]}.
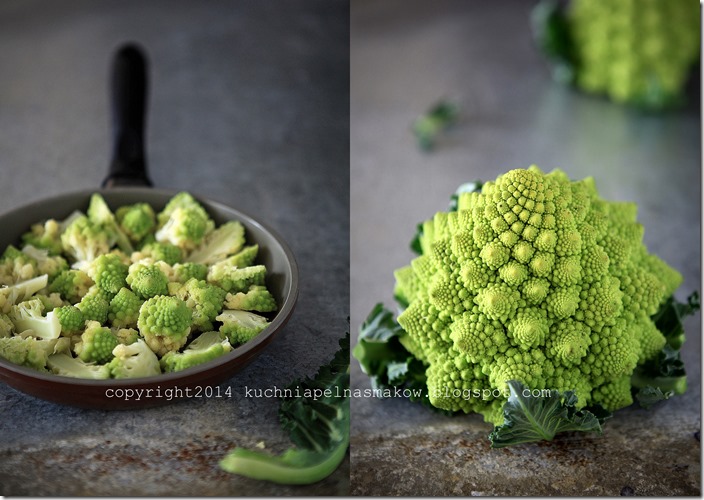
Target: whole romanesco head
{"type": "Point", "coordinates": [535, 279]}
{"type": "Point", "coordinates": [164, 322]}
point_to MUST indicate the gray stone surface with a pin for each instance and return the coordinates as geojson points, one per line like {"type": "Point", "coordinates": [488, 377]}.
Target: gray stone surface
{"type": "Point", "coordinates": [249, 106]}
{"type": "Point", "coordinates": [406, 55]}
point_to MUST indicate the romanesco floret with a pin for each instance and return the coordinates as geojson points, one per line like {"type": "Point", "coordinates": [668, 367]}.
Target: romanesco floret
{"type": "Point", "coordinates": [243, 258]}
{"type": "Point", "coordinates": [16, 266]}
{"type": "Point", "coordinates": [124, 309]}
{"type": "Point", "coordinates": [136, 221]}
{"type": "Point", "coordinates": [166, 252]}
{"type": "Point", "coordinates": [147, 280]}
{"type": "Point", "coordinates": [135, 360]}
{"type": "Point", "coordinates": [164, 323]}
{"type": "Point", "coordinates": [72, 284]}
{"type": "Point", "coordinates": [220, 243]}
{"type": "Point", "coordinates": [51, 265]}
{"type": "Point", "coordinates": [236, 279]}
{"type": "Point", "coordinates": [29, 351]}
{"type": "Point", "coordinates": [125, 336]}
{"type": "Point", "coordinates": [46, 236]}
{"type": "Point", "coordinates": [68, 366]}
{"type": "Point", "coordinates": [256, 298]}
{"type": "Point", "coordinates": [71, 319]}
{"type": "Point", "coordinates": [108, 272]}
{"type": "Point", "coordinates": [183, 222]}
{"type": "Point", "coordinates": [97, 343]}
{"type": "Point", "coordinates": [534, 279]}
{"type": "Point", "coordinates": [100, 214]}
{"type": "Point", "coordinates": [182, 272]}
{"type": "Point", "coordinates": [95, 305]}
{"type": "Point", "coordinates": [29, 315]}
{"type": "Point", "coordinates": [206, 347]}
{"type": "Point", "coordinates": [84, 241]}
{"type": "Point", "coordinates": [204, 299]}
{"type": "Point", "coordinates": [241, 326]}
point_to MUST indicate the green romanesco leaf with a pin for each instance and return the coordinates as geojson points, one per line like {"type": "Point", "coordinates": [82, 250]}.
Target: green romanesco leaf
{"type": "Point", "coordinates": [529, 418]}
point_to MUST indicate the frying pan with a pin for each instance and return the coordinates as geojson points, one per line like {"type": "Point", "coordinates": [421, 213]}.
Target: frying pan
{"type": "Point", "coordinates": [127, 182]}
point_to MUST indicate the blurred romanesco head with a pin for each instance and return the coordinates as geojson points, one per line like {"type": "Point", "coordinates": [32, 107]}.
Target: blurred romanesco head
{"type": "Point", "coordinates": [633, 51]}
{"type": "Point", "coordinates": [535, 279]}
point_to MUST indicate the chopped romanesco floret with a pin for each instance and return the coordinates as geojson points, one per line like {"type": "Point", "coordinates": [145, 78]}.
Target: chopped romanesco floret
{"type": "Point", "coordinates": [46, 236]}
{"type": "Point", "coordinates": [71, 319]}
{"type": "Point", "coordinates": [95, 305]}
{"type": "Point", "coordinates": [97, 343]}
{"type": "Point", "coordinates": [204, 299]}
{"type": "Point", "coordinates": [206, 347]}
{"type": "Point", "coordinates": [124, 309]}
{"type": "Point", "coordinates": [164, 323]}
{"type": "Point", "coordinates": [108, 272]}
{"type": "Point", "coordinates": [236, 279]}
{"type": "Point", "coordinates": [184, 271]}
{"type": "Point", "coordinates": [136, 221]}
{"type": "Point", "coordinates": [241, 326]}
{"type": "Point", "coordinates": [256, 298]}
{"type": "Point", "coordinates": [72, 284]}
{"type": "Point", "coordinates": [147, 280]}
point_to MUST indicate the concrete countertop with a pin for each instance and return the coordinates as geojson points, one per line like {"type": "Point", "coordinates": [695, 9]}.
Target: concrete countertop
{"type": "Point", "coordinates": [405, 56]}
{"type": "Point", "coordinates": [249, 106]}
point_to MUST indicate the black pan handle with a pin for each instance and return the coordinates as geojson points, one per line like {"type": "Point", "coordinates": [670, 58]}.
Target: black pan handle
{"type": "Point", "coordinates": [128, 94]}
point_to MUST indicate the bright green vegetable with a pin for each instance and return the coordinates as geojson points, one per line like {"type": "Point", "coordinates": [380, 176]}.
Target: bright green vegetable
{"type": "Point", "coordinates": [164, 323]}
{"type": "Point", "coordinates": [183, 222]}
{"type": "Point", "coordinates": [67, 366]}
{"type": "Point", "coordinates": [204, 300]}
{"type": "Point", "coordinates": [256, 298]}
{"type": "Point", "coordinates": [16, 293]}
{"type": "Point", "coordinates": [182, 272]}
{"type": "Point", "coordinates": [147, 280]}
{"type": "Point", "coordinates": [241, 326]}
{"type": "Point", "coordinates": [124, 309]}
{"type": "Point", "coordinates": [134, 360]}
{"type": "Point", "coordinates": [639, 53]}
{"type": "Point", "coordinates": [536, 280]}
{"type": "Point", "coordinates": [46, 236]}
{"type": "Point", "coordinates": [136, 221]}
{"type": "Point", "coordinates": [236, 279]}
{"type": "Point", "coordinates": [97, 343]}
{"type": "Point", "coordinates": [166, 252]}
{"type": "Point", "coordinates": [72, 284]}
{"type": "Point", "coordinates": [71, 319]}
{"type": "Point", "coordinates": [94, 306]}
{"type": "Point", "coordinates": [206, 347]}
{"type": "Point", "coordinates": [243, 258]}
{"type": "Point", "coordinates": [125, 336]}
{"type": "Point", "coordinates": [100, 214]}
{"type": "Point", "coordinates": [318, 426]}
{"type": "Point", "coordinates": [108, 272]}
